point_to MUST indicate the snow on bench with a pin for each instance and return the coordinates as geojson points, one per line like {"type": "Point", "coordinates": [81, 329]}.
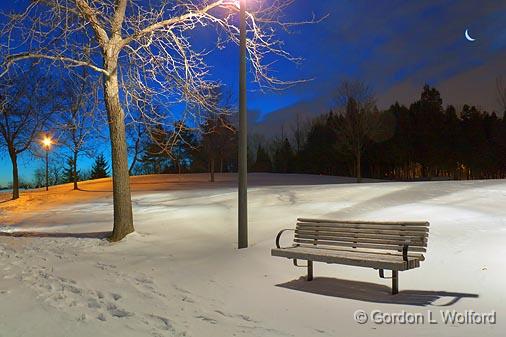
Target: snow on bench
{"type": "Point", "coordinates": [396, 246]}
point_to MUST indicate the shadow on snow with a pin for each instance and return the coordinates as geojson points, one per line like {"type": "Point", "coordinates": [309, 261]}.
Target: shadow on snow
{"type": "Point", "coordinates": [372, 292]}
{"type": "Point", "coordinates": [87, 235]}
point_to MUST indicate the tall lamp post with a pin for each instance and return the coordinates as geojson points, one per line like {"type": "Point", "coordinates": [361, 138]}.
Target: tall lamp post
{"type": "Point", "coordinates": [243, 135]}
{"type": "Point", "coordinates": [46, 142]}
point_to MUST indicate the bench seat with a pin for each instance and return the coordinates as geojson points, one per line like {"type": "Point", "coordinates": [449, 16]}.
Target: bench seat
{"type": "Point", "coordinates": [374, 260]}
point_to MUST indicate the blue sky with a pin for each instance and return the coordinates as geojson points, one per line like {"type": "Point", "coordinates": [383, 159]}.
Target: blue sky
{"type": "Point", "coordinates": [395, 46]}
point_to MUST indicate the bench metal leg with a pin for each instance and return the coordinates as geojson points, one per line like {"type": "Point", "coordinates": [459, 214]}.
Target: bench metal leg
{"type": "Point", "coordinates": [395, 282]}
{"type": "Point", "coordinates": [309, 270]}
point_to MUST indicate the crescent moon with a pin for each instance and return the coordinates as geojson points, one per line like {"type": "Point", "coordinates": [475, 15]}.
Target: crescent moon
{"type": "Point", "coordinates": [468, 37]}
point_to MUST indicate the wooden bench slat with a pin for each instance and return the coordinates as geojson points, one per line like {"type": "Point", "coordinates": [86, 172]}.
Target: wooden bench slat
{"type": "Point", "coordinates": [358, 244]}
{"type": "Point", "coordinates": [364, 226]}
{"type": "Point", "coordinates": [401, 242]}
{"type": "Point", "coordinates": [411, 223]}
{"type": "Point", "coordinates": [422, 238]}
{"type": "Point", "coordinates": [363, 230]}
{"type": "Point", "coordinates": [371, 256]}
{"type": "Point", "coordinates": [372, 261]}
{"type": "Point", "coordinates": [416, 255]}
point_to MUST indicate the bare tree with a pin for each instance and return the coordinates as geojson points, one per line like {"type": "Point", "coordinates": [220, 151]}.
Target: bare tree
{"type": "Point", "coordinates": [217, 142]}
{"type": "Point", "coordinates": [138, 126]}
{"type": "Point", "coordinates": [218, 131]}
{"type": "Point", "coordinates": [55, 174]}
{"type": "Point", "coordinates": [151, 44]}
{"type": "Point", "coordinates": [76, 120]}
{"type": "Point", "coordinates": [501, 92]}
{"type": "Point", "coordinates": [359, 121]}
{"type": "Point", "coordinates": [39, 177]}
{"type": "Point", "coordinates": [136, 135]}
{"type": "Point", "coordinates": [25, 99]}
{"type": "Point", "coordinates": [298, 134]}
{"type": "Point", "coordinates": [299, 131]}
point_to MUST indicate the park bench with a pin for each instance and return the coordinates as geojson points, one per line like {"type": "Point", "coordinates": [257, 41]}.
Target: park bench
{"type": "Point", "coordinates": [395, 246]}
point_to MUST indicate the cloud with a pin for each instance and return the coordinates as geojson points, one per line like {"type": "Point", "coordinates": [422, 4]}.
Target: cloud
{"type": "Point", "coordinates": [285, 120]}
{"type": "Point", "coordinates": [475, 86]}
{"type": "Point", "coordinates": [397, 47]}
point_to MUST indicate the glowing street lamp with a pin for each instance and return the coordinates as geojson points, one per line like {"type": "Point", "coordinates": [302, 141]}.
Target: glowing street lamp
{"type": "Point", "coordinates": [243, 136]}
{"type": "Point", "coordinates": [46, 143]}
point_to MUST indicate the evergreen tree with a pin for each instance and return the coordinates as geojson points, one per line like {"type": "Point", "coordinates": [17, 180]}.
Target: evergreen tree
{"type": "Point", "coordinates": [428, 126]}
{"type": "Point", "coordinates": [100, 168]}
{"type": "Point", "coordinates": [263, 162]}
{"type": "Point", "coordinates": [318, 154]}
{"type": "Point", "coordinates": [68, 172]}
{"type": "Point", "coordinates": [283, 160]}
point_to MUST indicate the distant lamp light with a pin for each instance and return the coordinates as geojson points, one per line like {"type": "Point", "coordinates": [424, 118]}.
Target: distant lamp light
{"type": "Point", "coordinates": [47, 142]}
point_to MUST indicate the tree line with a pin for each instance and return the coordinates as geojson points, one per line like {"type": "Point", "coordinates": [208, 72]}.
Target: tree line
{"type": "Point", "coordinates": [425, 140]}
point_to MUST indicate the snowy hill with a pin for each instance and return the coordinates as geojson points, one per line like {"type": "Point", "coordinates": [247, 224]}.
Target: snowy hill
{"type": "Point", "coordinates": [180, 274]}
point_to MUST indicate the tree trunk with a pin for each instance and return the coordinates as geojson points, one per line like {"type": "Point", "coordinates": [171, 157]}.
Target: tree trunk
{"type": "Point", "coordinates": [134, 160]}
{"type": "Point", "coordinates": [15, 176]}
{"type": "Point", "coordinates": [123, 218]}
{"type": "Point", "coordinates": [359, 166]}
{"type": "Point", "coordinates": [221, 165]}
{"type": "Point", "coordinates": [211, 169]}
{"type": "Point", "coordinates": [74, 171]}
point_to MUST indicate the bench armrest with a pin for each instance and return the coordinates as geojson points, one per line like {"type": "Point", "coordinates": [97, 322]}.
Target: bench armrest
{"type": "Point", "coordinates": [279, 236]}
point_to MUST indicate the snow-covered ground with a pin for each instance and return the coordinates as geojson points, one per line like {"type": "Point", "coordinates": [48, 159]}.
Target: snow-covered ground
{"type": "Point", "coordinates": [180, 274]}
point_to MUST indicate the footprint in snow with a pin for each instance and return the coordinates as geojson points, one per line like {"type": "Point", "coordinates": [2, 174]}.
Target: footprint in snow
{"type": "Point", "coordinates": [93, 303]}
{"type": "Point", "coordinates": [207, 319]}
{"type": "Point", "coordinates": [162, 322]}
{"type": "Point", "coordinates": [116, 296]}
{"type": "Point", "coordinates": [105, 266]}
{"type": "Point", "coordinates": [117, 312]}
{"type": "Point", "coordinates": [241, 316]}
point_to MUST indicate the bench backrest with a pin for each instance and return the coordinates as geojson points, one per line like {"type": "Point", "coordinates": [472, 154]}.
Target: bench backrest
{"type": "Point", "coordinates": [366, 235]}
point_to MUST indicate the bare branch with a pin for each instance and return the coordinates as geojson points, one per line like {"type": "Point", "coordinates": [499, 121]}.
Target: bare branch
{"type": "Point", "coordinates": [24, 56]}
{"type": "Point", "coordinates": [119, 17]}
{"type": "Point", "coordinates": [91, 16]}
{"type": "Point", "coordinates": [172, 21]}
